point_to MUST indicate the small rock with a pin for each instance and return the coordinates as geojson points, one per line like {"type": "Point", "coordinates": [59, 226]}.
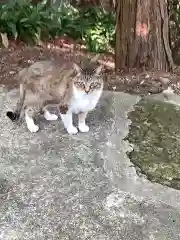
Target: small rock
{"type": "Point", "coordinates": [147, 76]}
{"type": "Point", "coordinates": [164, 80]}
{"type": "Point", "coordinates": [168, 91]}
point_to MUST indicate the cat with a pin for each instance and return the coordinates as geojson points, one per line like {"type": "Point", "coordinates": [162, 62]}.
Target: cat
{"type": "Point", "coordinates": [72, 88]}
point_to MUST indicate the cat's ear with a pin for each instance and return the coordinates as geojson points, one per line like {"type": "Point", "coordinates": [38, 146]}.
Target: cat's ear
{"type": "Point", "coordinates": [98, 70]}
{"type": "Point", "coordinates": [77, 68]}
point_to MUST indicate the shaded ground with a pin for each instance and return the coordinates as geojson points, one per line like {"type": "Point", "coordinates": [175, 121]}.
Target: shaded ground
{"type": "Point", "coordinates": [155, 134]}
{"type": "Point", "coordinates": [18, 56]}
{"type": "Point", "coordinates": [59, 187]}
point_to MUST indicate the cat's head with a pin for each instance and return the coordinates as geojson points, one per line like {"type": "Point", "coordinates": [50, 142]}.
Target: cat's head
{"type": "Point", "coordinates": [88, 79]}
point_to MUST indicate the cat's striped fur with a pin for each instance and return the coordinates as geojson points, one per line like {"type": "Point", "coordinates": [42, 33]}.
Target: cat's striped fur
{"type": "Point", "coordinates": [72, 88]}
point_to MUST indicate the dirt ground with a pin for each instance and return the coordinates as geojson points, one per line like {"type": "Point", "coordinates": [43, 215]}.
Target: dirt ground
{"type": "Point", "coordinates": [19, 55]}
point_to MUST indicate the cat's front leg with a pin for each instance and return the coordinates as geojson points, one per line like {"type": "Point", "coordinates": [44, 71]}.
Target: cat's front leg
{"type": "Point", "coordinates": [82, 122]}
{"type": "Point", "coordinates": [66, 117]}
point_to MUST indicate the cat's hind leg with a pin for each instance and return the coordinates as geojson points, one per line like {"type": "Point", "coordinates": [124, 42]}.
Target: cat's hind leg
{"type": "Point", "coordinates": [49, 116]}
{"type": "Point", "coordinates": [29, 117]}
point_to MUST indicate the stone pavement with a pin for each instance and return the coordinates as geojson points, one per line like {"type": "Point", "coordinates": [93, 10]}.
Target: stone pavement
{"type": "Point", "coordinates": [59, 187]}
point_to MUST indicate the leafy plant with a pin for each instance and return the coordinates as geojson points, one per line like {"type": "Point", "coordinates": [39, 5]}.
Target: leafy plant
{"type": "Point", "coordinates": [26, 21]}
{"type": "Point", "coordinates": [100, 34]}
{"type": "Point", "coordinates": [31, 23]}
{"type": "Point", "coordinates": [174, 17]}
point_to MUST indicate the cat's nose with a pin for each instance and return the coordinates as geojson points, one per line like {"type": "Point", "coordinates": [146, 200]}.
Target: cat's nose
{"type": "Point", "coordinates": [87, 90]}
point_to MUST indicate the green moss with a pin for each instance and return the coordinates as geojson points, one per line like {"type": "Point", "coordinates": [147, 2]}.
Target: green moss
{"type": "Point", "coordinates": [155, 134]}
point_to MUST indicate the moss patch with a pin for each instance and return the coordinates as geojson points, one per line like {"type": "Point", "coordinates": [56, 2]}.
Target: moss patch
{"type": "Point", "coordinates": [155, 134]}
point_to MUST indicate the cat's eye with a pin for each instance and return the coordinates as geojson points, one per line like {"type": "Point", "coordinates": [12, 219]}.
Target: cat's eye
{"type": "Point", "coordinates": [79, 84]}
{"type": "Point", "coordinates": [95, 85]}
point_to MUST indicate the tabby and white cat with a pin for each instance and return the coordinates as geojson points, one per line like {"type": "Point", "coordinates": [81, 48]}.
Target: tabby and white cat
{"type": "Point", "coordinates": [74, 90]}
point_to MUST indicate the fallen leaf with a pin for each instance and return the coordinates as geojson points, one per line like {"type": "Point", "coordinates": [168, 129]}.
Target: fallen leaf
{"type": "Point", "coordinates": [5, 40]}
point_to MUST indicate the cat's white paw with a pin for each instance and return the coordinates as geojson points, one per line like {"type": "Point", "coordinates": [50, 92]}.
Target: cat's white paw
{"type": "Point", "coordinates": [72, 130]}
{"type": "Point", "coordinates": [83, 128]}
{"type": "Point", "coordinates": [50, 117]}
{"type": "Point", "coordinates": [33, 128]}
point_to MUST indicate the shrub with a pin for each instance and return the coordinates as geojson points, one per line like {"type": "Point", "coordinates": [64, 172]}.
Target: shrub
{"type": "Point", "coordinates": [26, 21]}
{"type": "Point", "coordinates": [31, 23]}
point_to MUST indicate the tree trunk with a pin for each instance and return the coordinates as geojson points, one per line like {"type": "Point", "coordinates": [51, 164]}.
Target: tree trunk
{"type": "Point", "coordinates": [142, 35]}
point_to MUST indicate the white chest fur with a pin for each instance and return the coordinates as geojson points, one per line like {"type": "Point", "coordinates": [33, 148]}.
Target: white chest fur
{"type": "Point", "coordinates": [82, 102]}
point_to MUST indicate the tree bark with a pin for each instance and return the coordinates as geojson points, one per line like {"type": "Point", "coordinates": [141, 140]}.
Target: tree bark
{"type": "Point", "coordinates": [142, 35]}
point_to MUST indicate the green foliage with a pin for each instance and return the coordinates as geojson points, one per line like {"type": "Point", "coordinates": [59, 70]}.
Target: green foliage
{"type": "Point", "coordinates": [101, 31]}
{"type": "Point", "coordinates": [23, 20]}
{"type": "Point", "coordinates": [31, 23]}
{"type": "Point", "coordinates": [174, 17]}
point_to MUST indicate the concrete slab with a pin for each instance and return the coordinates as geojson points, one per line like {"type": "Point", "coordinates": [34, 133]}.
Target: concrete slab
{"type": "Point", "coordinates": [55, 186]}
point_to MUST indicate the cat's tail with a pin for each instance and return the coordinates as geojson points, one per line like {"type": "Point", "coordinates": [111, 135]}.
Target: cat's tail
{"type": "Point", "coordinates": [14, 116]}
